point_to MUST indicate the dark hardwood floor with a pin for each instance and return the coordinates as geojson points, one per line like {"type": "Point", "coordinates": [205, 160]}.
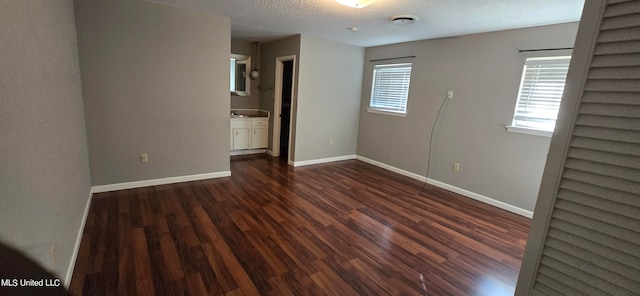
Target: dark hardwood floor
{"type": "Point", "coordinates": [343, 228]}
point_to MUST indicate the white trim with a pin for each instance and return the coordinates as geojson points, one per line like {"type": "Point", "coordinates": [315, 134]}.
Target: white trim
{"type": "Point", "coordinates": [277, 108]}
{"type": "Point", "coordinates": [246, 60]}
{"type": "Point", "coordinates": [528, 131]}
{"type": "Point", "coordinates": [464, 192]}
{"type": "Point", "coordinates": [161, 181]}
{"type": "Point", "coordinates": [392, 168]}
{"type": "Point", "coordinates": [482, 198]}
{"type": "Point", "coordinates": [323, 160]}
{"type": "Point", "coordinates": [277, 104]}
{"type": "Point", "coordinates": [246, 152]}
{"type": "Point", "coordinates": [76, 248]}
{"type": "Point", "coordinates": [378, 111]}
{"type": "Point", "coordinates": [270, 153]}
{"type": "Point", "coordinates": [127, 185]}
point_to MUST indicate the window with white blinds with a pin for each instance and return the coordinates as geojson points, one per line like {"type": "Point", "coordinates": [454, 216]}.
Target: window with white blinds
{"type": "Point", "coordinates": [540, 92]}
{"type": "Point", "coordinates": [390, 88]}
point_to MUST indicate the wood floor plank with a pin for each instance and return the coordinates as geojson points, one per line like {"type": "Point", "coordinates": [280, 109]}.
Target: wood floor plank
{"type": "Point", "coordinates": [224, 275]}
{"type": "Point", "coordinates": [196, 285]}
{"type": "Point", "coordinates": [142, 274]}
{"type": "Point", "coordinates": [330, 282]}
{"type": "Point", "coordinates": [344, 228]}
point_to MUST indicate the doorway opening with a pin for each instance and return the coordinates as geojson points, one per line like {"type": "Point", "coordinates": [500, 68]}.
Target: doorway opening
{"type": "Point", "coordinates": [283, 107]}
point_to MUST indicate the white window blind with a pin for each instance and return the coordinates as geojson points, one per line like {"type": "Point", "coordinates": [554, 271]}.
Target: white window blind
{"type": "Point", "coordinates": [390, 88]}
{"type": "Point", "coordinates": [541, 89]}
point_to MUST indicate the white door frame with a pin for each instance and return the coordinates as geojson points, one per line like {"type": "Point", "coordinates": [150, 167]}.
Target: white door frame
{"type": "Point", "coordinates": [277, 104]}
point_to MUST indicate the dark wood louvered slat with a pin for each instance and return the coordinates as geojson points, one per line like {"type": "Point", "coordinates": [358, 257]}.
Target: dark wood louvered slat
{"type": "Point", "coordinates": [577, 235]}
{"type": "Point", "coordinates": [618, 60]}
{"type": "Point", "coordinates": [615, 208]}
{"type": "Point", "coordinates": [569, 285]}
{"type": "Point", "coordinates": [619, 172]}
{"type": "Point", "coordinates": [585, 274]}
{"type": "Point", "coordinates": [626, 112]}
{"type": "Point", "coordinates": [632, 149]}
{"type": "Point", "coordinates": [619, 35]}
{"type": "Point", "coordinates": [610, 220]}
{"type": "Point", "coordinates": [608, 73]}
{"type": "Point", "coordinates": [620, 160]}
{"type": "Point", "coordinates": [622, 270]}
{"type": "Point", "coordinates": [618, 22]}
{"type": "Point", "coordinates": [627, 47]}
{"type": "Point", "coordinates": [614, 135]}
{"type": "Point", "coordinates": [619, 8]}
{"type": "Point", "coordinates": [603, 193]}
{"type": "Point", "coordinates": [607, 98]}
{"type": "Point", "coordinates": [564, 232]}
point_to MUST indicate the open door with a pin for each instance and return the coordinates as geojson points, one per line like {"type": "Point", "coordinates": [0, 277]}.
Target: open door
{"type": "Point", "coordinates": [283, 107]}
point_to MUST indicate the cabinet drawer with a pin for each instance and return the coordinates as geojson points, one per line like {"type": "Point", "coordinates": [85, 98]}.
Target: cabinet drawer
{"type": "Point", "coordinates": [259, 122]}
{"type": "Point", "coordinates": [240, 123]}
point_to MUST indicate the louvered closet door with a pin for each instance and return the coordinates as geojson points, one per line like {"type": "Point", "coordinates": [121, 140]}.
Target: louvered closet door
{"type": "Point", "coordinates": [591, 244]}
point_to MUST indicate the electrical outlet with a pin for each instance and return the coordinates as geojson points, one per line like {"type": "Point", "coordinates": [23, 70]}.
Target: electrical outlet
{"type": "Point", "coordinates": [53, 254]}
{"type": "Point", "coordinates": [450, 94]}
{"type": "Point", "coordinates": [144, 158]}
{"type": "Point", "coordinates": [456, 167]}
{"type": "Point", "coordinates": [330, 142]}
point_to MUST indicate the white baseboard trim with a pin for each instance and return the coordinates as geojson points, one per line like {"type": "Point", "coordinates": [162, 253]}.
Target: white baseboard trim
{"type": "Point", "coordinates": [76, 248]}
{"type": "Point", "coordinates": [247, 152]}
{"type": "Point", "coordinates": [322, 160]}
{"type": "Point", "coordinates": [162, 181]}
{"type": "Point", "coordinates": [463, 192]}
{"type": "Point", "coordinates": [392, 168]}
{"type": "Point", "coordinates": [269, 152]}
{"type": "Point", "coordinates": [128, 185]}
{"type": "Point", "coordinates": [482, 198]}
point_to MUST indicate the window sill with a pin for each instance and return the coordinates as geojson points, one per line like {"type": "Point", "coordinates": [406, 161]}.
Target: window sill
{"type": "Point", "coordinates": [371, 110]}
{"type": "Point", "coordinates": [529, 131]}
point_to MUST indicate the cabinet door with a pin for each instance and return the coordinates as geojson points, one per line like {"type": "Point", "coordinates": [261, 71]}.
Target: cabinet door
{"type": "Point", "coordinates": [258, 137]}
{"type": "Point", "coordinates": [241, 138]}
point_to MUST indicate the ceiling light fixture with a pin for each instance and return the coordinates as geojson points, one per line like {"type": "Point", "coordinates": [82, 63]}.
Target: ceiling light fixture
{"type": "Point", "coordinates": [404, 19]}
{"type": "Point", "coordinates": [356, 3]}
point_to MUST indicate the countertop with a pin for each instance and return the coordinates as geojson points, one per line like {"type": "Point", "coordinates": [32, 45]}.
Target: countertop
{"type": "Point", "coordinates": [248, 113]}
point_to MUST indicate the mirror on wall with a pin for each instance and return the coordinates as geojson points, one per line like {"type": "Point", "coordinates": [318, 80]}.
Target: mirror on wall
{"type": "Point", "coordinates": [239, 69]}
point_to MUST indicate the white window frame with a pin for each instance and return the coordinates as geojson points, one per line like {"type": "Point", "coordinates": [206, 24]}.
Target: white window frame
{"type": "Point", "coordinates": [529, 91]}
{"type": "Point", "coordinates": [399, 94]}
{"type": "Point", "coordinates": [232, 72]}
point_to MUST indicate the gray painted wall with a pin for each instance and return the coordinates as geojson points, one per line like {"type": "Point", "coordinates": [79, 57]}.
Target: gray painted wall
{"type": "Point", "coordinates": [44, 165]}
{"type": "Point", "coordinates": [484, 72]}
{"type": "Point", "coordinates": [268, 54]}
{"type": "Point", "coordinates": [252, 101]}
{"type": "Point", "coordinates": [155, 80]}
{"type": "Point", "coordinates": [329, 96]}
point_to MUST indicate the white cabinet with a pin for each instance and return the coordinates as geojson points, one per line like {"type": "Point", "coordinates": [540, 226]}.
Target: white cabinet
{"type": "Point", "coordinates": [240, 134]}
{"type": "Point", "coordinates": [241, 139]}
{"type": "Point", "coordinates": [249, 133]}
{"type": "Point", "coordinates": [259, 133]}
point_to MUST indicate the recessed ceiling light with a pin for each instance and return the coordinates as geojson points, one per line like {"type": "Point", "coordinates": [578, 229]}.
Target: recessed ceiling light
{"type": "Point", "coordinates": [356, 3]}
{"type": "Point", "coordinates": [404, 19]}
{"type": "Point", "coordinates": [353, 29]}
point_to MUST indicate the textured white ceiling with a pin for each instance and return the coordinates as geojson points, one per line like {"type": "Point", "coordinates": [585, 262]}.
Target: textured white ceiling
{"type": "Point", "coordinates": [260, 20]}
